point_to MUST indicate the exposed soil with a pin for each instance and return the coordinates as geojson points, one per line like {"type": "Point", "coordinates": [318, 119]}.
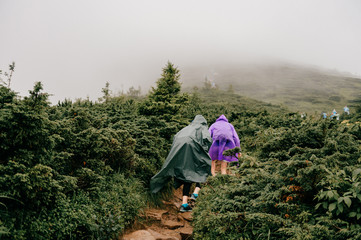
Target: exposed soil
{"type": "Point", "coordinates": [163, 224]}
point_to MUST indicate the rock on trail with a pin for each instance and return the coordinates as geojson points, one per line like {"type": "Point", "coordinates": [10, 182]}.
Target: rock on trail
{"type": "Point", "coordinates": [163, 224]}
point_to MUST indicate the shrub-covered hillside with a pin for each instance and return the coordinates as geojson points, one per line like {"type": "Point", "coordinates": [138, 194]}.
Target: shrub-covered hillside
{"type": "Point", "coordinates": [300, 180]}
{"type": "Point", "coordinates": [78, 170]}
{"type": "Point", "coordinates": [81, 170]}
{"type": "Point", "coordinates": [300, 88]}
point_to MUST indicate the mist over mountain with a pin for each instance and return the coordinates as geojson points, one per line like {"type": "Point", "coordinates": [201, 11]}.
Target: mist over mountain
{"type": "Point", "coordinates": [300, 88]}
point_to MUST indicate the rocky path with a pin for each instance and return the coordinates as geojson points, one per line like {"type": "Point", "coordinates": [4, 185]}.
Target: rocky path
{"type": "Point", "coordinates": [163, 224]}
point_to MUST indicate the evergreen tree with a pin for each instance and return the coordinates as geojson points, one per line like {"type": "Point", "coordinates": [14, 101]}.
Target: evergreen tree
{"type": "Point", "coordinates": [134, 93]}
{"type": "Point", "coordinates": [37, 100]}
{"type": "Point", "coordinates": [168, 85]}
{"type": "Point", "coordinates": [165, 100]}
{"type": "Point", "coordinates": [106, 93]}
{"type": "Point", "coordinates": [6, 94]}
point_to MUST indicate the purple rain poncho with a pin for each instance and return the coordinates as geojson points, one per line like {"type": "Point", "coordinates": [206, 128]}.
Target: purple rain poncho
{"type": "Point", "coordinates": [224, 137]}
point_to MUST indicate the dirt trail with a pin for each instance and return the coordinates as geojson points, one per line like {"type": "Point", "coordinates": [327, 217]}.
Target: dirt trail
{"type": "Point", "coordinates": [163, 224]}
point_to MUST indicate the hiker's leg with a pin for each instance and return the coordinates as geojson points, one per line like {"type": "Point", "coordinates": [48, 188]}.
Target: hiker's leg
{"type": "Point", "coordinates": [186, 188]}
{"type": "Point", "coordinates": [185, 200]}
{"type": "Point", "coordinates": [224, 167]}
{"type": "Point", "coordinates": [196, 191]}
{"type": "Point", "coordinates": [213, 168]}
{"type": "Point", "coordinates": [185, 206]}
{"type": "Point", "coordinates": [198, 187]}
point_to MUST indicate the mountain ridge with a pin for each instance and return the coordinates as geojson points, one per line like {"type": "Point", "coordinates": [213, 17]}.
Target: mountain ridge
{"type": "Point", "coordinates": [300, 88]}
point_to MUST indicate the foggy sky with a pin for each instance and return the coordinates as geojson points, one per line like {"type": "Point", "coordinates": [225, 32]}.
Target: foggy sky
{"type": "Point", "coordinates": [74, 47]}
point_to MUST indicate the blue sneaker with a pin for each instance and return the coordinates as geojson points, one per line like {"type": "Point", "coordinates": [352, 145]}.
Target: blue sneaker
{"type": "Point", "coordinates": [185, 208]}
{"type": "Point", "coordinates": [194, 196]}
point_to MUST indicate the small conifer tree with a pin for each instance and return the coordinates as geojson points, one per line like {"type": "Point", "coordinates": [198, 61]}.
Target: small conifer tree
{"type": "Point", "coordinates": [106, 93]}
{"type": "Point", "coordinates": [168, 85]}
{"type": "Point", "coordinates": [165, 100]}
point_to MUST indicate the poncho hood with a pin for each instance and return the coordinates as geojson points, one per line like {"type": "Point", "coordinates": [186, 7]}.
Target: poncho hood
{"type": "Point", "coordinates": [199, 119]}
{"type": "Point", "coordinates": [222, 118]}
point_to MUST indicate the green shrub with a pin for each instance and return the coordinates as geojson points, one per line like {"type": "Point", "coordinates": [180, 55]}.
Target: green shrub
{"type": "Point", "coordinates": [103, 214]}
{"type": "Point", "coordinates": [303, 183]}
{"type": "Point", "coordinates": [80, 170]}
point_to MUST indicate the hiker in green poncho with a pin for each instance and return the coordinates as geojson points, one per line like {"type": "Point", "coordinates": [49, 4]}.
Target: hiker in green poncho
{"type": "Point", "coordinates": [187, 162]}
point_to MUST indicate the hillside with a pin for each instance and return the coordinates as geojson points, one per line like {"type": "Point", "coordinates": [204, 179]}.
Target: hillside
{"type": "Point", "coordinates": [300, 88]}
{"type": "Point", "coordinates": [81, 170]}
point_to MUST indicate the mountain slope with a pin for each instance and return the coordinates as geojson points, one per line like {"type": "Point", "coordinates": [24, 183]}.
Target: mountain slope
{"type": "Point", "coordinates": [297, 87]}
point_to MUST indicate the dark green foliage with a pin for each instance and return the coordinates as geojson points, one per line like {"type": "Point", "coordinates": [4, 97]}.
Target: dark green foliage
{"type": "Point", "coordinates": [301, 181]}
{"type": "Point", "coordinates": [165, 100]}
{"type": "Point", "coordinates": [232, 152]}
{"type": "Point", "coordinates": [35, 187]}
{"type": "Point", "coordinates": [69, 169]}
{"type": "Point", "coordinates": [37, 100]}
{"type": "Point", "coordinates": [6, 96]}
{"type": "Point", "coordinates": [81, 216]}
{"type": "Point", "coordinates": [81, 170]}
{"type": "Point", "coordinates": [25, 130]}
{"type": "Point", "coordinates": [53, 156]}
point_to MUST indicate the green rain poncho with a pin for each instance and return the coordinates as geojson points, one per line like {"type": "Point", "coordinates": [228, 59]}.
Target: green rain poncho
{"type": "Point", "coordinates": [188, 159]}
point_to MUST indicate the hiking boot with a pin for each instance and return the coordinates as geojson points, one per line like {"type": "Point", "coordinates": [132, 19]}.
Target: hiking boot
{"type": "Point", "coordinates": [186, 208]}
{"type": "Point", "coordinates": [194, 196]}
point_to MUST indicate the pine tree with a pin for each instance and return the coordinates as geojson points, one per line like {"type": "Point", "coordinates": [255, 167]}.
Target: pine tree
{"type": "Point", "coordinates": [165, 100]}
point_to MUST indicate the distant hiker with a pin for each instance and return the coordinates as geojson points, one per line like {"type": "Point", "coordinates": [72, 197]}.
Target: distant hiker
{"type": "Point", "coordinates": [334, 114]}
{"type": "Point", "coordinates": [224, 137]}
{"type": "Point", "coordinates": [187, 162]}
{"type": "Point", "coordinates": [346, 110]}
{"type": "Point", "coordinates": [324, 115]}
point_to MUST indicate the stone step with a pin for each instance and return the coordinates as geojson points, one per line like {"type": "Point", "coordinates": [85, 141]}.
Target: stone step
{"type": "Point", "coordinates": [186, 216]}
{"type": "Point", "coordinates": [154, 214]}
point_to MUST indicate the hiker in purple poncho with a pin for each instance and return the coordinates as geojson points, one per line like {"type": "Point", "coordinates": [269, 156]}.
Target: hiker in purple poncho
{"type": "Point", "coordinates": [224, 137]}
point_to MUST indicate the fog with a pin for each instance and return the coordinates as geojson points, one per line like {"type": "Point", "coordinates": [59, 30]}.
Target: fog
{"type": "Point", "coordinates": [75, 47]}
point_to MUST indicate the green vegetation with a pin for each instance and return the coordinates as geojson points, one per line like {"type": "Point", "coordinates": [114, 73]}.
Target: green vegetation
{"type": "Point", "coordinates": [81, 170]}
{"type": "Point", "coordinates": [301, 180]}
{"type": "Point", "coordinates": [76, 170]}
{"type": "Point", "coordinates": [300, 88]}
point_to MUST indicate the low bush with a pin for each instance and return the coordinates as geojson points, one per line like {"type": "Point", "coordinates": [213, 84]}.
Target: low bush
{"type": "Point", "coordinates": [102, 214]}
{"type": "Point", "coordinates": [303, 183]}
